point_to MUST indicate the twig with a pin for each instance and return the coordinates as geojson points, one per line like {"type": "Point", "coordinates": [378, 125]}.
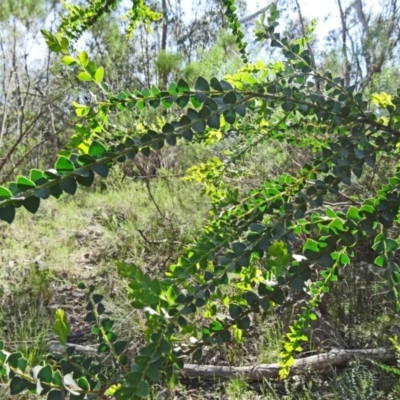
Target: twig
{"type": "Point", "coordinates": [18, 141]}
{"type": "Point", "coordinates": [4, 179]}
{"type": "Point", "coordinates": [252, 16]}
{"type": "Point", "coordinates": [149, 241]}
{"type": "Point", "coordinates": [147, 182]}
{"type": "Point", "coordinates": [3, 122]}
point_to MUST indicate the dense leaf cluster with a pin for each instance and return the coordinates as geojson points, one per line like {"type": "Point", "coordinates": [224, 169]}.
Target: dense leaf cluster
{"type": "Point", "coordinates": [70, 373]}
{"type": "Point", "coordinates": [237, 30]}
{"type": "Point", "coordinates": [81, 18]}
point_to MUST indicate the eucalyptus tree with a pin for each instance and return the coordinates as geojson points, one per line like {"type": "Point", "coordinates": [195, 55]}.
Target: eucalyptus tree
{"type": "Point", "coordinates": [364, 44]}
{"type": "Point", "coordinates": [369, 40]}
{"type": "Point", "coordinates": [34, 104]}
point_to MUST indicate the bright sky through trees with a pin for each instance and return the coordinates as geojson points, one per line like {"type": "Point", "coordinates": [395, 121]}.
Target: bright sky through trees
{"type": "Point", "coordinates": [326, 11]}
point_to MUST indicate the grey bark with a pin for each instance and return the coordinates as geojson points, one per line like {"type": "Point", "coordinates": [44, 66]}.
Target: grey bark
{"type": "Point", "coordinates": [301, 366]}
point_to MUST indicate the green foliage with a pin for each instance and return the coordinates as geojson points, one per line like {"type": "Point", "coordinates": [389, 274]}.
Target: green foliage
{"type": "Point", "coordinates": [81, 18]}
{"type": "Point", "coordinates": [357, 383]}
{"type": "Point", "coordinates": [25, 10]}
{"type": "Point", "coordinates": [61, 327]}
{"type": "Point", "coordinates": [221, 59]}
{"type": "Point", "coordinates": [392, 370]}
{"type": "Point", "coordinates": [168, 63]}
{"type": "Point", "coordinates": [72, 169]}
{"type": "Point", "coordinates": [72, 374]}
{"type": "Point", "coordinates": [264, 242]}
{"type": "Point", "coordinates": [234, 24]}
{"type": "Point", "coordinates": [140, 13]}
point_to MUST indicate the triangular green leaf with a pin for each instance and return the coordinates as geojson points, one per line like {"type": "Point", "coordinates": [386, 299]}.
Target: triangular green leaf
{"type": "Point", "coordinates": [42, 193]}
{"type": "Point", "coordinates": [204, 112]}
{"type": "Point", "coordinates": [172, 88]}
{"type": "Point", "coordinates": [86, 180]}
{"type": "Point", "coordinates": [201, 97]}
{"type": "Point", "coordinates": [244, 323]}
{"type": "Point", "coordinates": [96, 149]}
{"type": "Point", "coordinates": [46, 374]}
{"type": "Point", "coordinates": [102, 348]}
{"type": "Point", "coordinates": [278, 297]}
{"type": "Point", "coordinates": [288, 106]}
{"type": "Point", "coordinates": [230, 98]}
{"type": "Point", "coordinates": [61, 326]}
{"type": "Point", "coordinates": [120, 346]}
{"type": "Point", "coordinates": [54, 395]}
{"type": "Point", "coordinates": [101, 169]}
{"type": "Point", "coordinates": [297, 283]}
{"type": "Point", "coordinates": [214, 121]}
{"type": "Point", "coordinates": [36, 175]}
{"type": "Point", "coordinates": [145, 151]}
{"type": "Point", "coordinates": [24, 183]}
{"type": "Point", "coordinates": [171, 140]}
{"type": "Point", "coordinates": [202, 84]}
{"type": "Point", "coordinates": [83, 58]}
{"type": "Point", "coordinates": [380, 261]}
{"type": "Point", "coordinates": [7, 213]}
{"type": "Point", "coordinates": [234, 310]}
{"type": "Point", "coordinates": [241, 110]}
{"type": "Point", "coordinates": [182, 101]}
{"type": "Point", "coordinates": [153, 373]}
{"type": "Point", "coordinates": [32, 204]}
{"type": "Point", "coordinates": [168, 128]}
{"type": "Point", "coordinates": [167, 103]}
{"type": "Point", "coordinates": [199, 127]}
{"type": "Point", "coordinates": [142, 389]}
{"type": "Point", "coordinates": [154, 103]}
{"type": "Point", "coordinates": [22, 364]}
{"type": "Point", "coordinates": [13, 359]}
{"type": "Point", "coordinates": [196, 103]}
{"type": "Point", "coordinates": [183, 86]}
{"type": "Point", "coordinates": [84, 76]}
{"type": "Point", "coordinates": [146, 92]}
{"type": "Point", "coordinates": [64, 165]}
{"type": "Point", "coordinates": [57, 379]}
{"type": "Point", "coordinates": [311, 245]}
{"type": "Point", "coordinates": [91, 68]}
{"type": "Point", "coordinates": [69, 185]}
{"type": "Point", "coordinates": [391, 245]}
{"type": "Point", "coordinates": [188, 135]}
{"type": "Point", "coordinates": [230, 116]}
{"type": "Point", "coordinates": [17, 385]}
{"type": "Point", "coordinates": [4, 193]}
{"type": "Point", "coordinates": [211, 104]}
{"type": "Point", "coordinates": [225, 85]}
{"type": "Point", "coordinates": [85, 159]}
{"type": "Point", "coordinates": [83, 383]}
{"type": "Point", "coordinates": [155, 90]}
{"type": "Point", "coordinates": [216, 85]}
{"type": "Point", "coordinates": [99, 74]}
{"type": "Point", "coordinates": [68, 60]}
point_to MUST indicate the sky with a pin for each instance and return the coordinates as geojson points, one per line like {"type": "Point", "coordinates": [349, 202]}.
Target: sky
{"type": "Point", "coordinates": [326, 11]}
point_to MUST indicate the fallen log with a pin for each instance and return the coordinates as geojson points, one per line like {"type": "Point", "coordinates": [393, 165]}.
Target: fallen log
{"type": "Point", "coordinates": [336, 357]}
